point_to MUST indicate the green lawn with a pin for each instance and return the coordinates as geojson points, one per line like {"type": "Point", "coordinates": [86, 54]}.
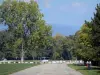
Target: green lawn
{"type": "Point", "coordinates": [6, 69]}
{"type": "Point", "coordinates": [85, 71]}
{"type": "Point", "coordinates": [27, 60]}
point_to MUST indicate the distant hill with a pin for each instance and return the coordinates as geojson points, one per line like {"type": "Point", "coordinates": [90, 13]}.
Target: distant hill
{"type": "Point", "coordinates": [65, 29]}
{"type": "Point", "coordinates": [62, 29]}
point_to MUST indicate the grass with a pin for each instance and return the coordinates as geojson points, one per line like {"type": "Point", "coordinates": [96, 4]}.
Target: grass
{"type": "Point", "coordinates": [83, 69]}
{"type": "Point", "coordinates": [27, 60]}
{"type": "Point", "coordinates": [6, 69]}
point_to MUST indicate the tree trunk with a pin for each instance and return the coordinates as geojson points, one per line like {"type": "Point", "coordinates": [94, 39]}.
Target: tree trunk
{"type": "Point", "coordinates": [33, 57]}
{"type": "Point", "coordinates": [22, 54]}
{"type": "Point", "coordinates": [98, 63]}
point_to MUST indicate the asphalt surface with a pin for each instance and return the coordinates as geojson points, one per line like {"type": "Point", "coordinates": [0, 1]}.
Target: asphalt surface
{"type": "Point", "coordinates": [49, 69]}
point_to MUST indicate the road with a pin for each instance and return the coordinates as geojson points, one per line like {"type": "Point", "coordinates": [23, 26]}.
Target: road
{"type": "Point", "coordinates": [49, 69]}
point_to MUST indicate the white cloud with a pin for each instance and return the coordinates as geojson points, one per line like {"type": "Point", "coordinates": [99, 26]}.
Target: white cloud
{"type": "Point", "coordinates": [76, 4]}
{"type": "Point", "coordinates": [47, 3]}
{"type": "Point", "coordinates": [29, 0]}
{"type": "Point", "coordinates": [75, 7]}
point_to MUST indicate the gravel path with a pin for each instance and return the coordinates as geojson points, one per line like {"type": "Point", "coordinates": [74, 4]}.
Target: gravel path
{"type": "Point", "coordinates": [49, 69]}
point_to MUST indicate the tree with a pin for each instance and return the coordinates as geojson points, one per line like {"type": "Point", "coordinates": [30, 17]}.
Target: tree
{"type": "Point", "coordinates": [88, 39]}
{"type": "Point", "coordinates": [84, 48]}
{"type": "Point", "coordinates": [2, 44]}
{"type": "Point", "coordinates": [62, 47]}
{"type": "Point", "coordinates": [95, 25]}
{"type": "Point", "coordinates": [25, 22]}
{"type": "Point", "coordinates": [5, 52]}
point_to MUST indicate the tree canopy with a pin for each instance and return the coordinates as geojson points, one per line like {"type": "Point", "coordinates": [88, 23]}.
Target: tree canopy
{"type": "Point", "coordinates": [29, 36]}
{"type": "Point", "coordinates": [26, 24]}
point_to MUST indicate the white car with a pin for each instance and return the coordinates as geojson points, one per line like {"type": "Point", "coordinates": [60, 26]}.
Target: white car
{"type": "Point", "coordinates": [44, 61]}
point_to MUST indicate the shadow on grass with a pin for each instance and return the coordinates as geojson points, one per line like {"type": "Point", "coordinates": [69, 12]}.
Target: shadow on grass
{"type": "Point", "coordinates": [96, 68]}
{"type": "Point", "coordinates": [82, 67]}
{"type": "Point", "coordinates": [98, 71]}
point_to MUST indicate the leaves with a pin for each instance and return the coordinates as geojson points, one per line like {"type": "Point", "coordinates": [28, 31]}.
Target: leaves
{"type": "Point", "coordinates": [25, 23]}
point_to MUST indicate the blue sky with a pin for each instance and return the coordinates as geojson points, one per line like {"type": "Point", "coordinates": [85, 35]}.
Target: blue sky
{"type": "Point", "coordinates": [68, 12]}
{"type": "Point", "coordinates": [66, 16]}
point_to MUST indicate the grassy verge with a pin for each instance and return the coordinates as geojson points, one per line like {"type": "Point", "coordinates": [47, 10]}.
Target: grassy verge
{"type": "Point", "coordinates": [6, 69]}
{"type": "Point", "coordinates": [85, 71]}
{"type": "Point", "coordinates": [25, 60]}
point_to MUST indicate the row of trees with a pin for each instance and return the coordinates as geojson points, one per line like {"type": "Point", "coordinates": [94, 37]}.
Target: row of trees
{"type": "Point", "coordinates": [63, 47]}
{"type": "Point", "coordinates": [28, 36]}
{"type": "Point", "coordinates": [88, 39]}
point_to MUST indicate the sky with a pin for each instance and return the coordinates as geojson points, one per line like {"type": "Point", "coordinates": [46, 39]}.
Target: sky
{"type": "Point", "coordinates": [66, 16]}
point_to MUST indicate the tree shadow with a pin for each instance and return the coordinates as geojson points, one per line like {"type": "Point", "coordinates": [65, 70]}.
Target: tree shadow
{"type": "Point", "coordinates": [98, 71]}
{"type": "Point", "coordinates": [86, 68]}
{"type": "Point", "coordinates": [96, 68]}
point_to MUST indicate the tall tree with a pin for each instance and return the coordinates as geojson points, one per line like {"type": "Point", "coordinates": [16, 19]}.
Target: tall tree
{"type": "Point", "coordinates": [25, 22]}
{"type": "Point", "coordinates": [96, 33]}
{"type": "Point", "coordinates": [83, 42]}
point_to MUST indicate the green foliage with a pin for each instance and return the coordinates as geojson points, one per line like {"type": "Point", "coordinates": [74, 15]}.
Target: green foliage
{"type": "Point", "coordinates": [83, 40]}
{"type": "Point", "coordinates": [4, 38]}
{"type": "Point", "coordinates": [88, 39]}
{"type": "Point", "coordinates": [25, 23]}
{"type": "Point", "coordinates": [62, 47]}
{"type": "Point", "coordinates": [96, 33]}
{"type": "Point", "coordinates": [28, 35]}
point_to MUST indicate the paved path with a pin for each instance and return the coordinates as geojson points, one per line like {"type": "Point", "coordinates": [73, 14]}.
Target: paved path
{"type": "Point", "coordinates": [49, 69]}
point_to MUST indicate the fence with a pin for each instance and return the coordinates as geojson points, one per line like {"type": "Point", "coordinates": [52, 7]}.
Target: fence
{"type": "Point", "coordinates": [44, 62]}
